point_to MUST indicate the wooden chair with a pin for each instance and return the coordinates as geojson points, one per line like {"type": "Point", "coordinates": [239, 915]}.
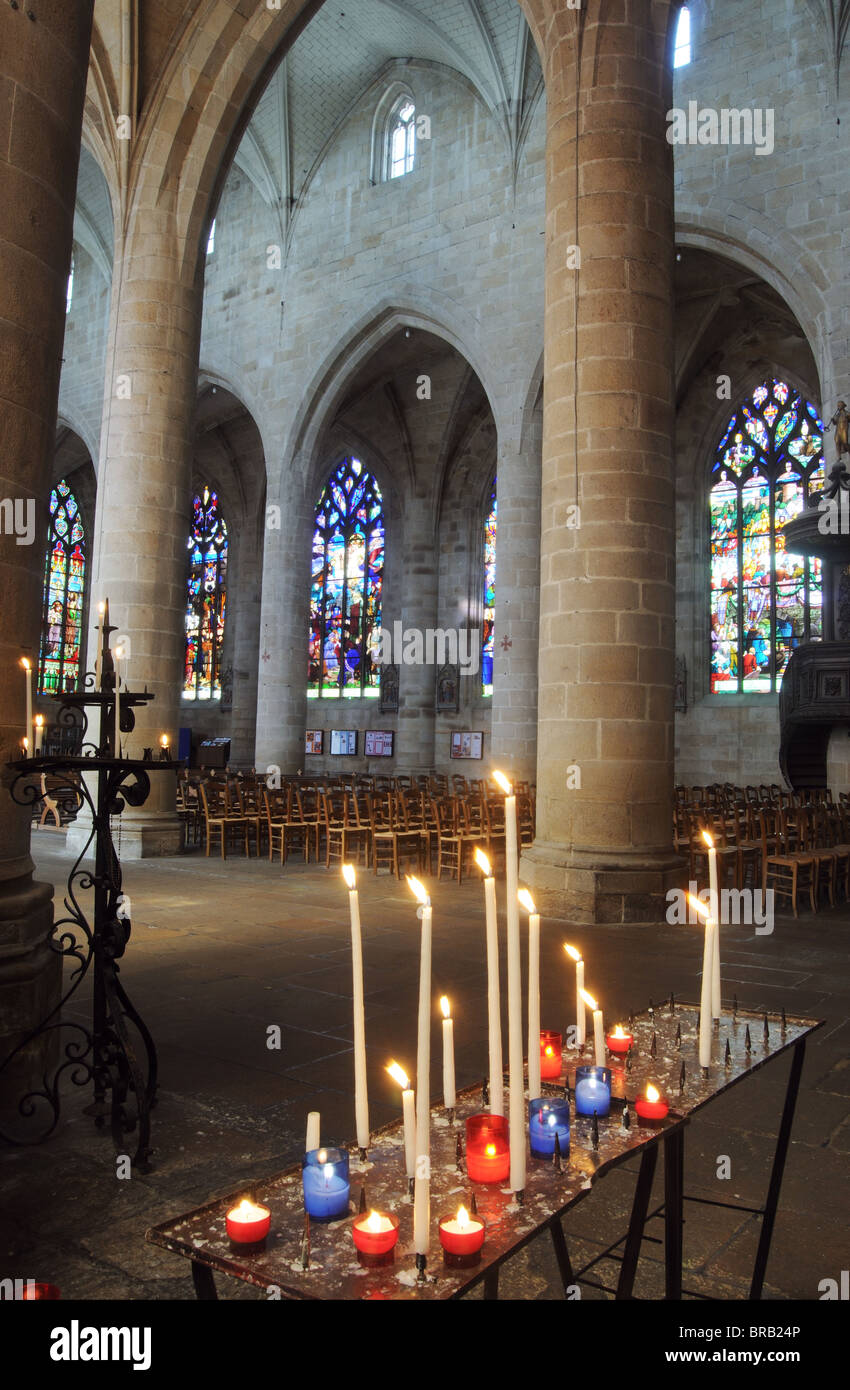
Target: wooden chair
{"type": "Point", "coordinates": [219, 819]}
{"type": "Point", "coordinates": [790, 871]}
{"type": "Point", "coordinates": [452, 842]}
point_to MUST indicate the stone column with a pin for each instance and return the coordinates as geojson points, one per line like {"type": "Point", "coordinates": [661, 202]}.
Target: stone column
{"type": "Point", "coordinates": [144, 501]}
{"type": "Point", "coordinates": [284, 628]}
{"type": "Point", "coordinates": [417, 682]}
{"type": "Point", "coordinates": [514, 727]}
{"type": "Point", "coordinates": [43, 69]}
{"type": "Point", "coordinates": [605, 748]}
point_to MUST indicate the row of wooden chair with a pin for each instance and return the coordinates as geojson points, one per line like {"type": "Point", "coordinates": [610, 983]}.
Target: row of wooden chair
{"type": "Point", "coordinates": [383, 829]}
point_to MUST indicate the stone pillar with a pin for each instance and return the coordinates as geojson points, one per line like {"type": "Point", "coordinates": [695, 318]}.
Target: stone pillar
{"type": "Point", "coordinates": [419, 606]}
{"type": "Point", "coordinates": [284, 629]}
{"type": "Point", "coordinates": [144, 501]}
{"type": "Point", "coordinates": [605, 738]}
{"type": "Point", "coordinates": [514, 727]}
{"type": "Point", "coordinates": [43, 69]}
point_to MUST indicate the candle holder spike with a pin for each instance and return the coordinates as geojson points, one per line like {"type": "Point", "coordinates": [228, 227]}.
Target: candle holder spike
{"type": "Point", "coordinates": [626, 1116]}
{"type": "Point", "coordinates": [748, 1042]}
{"type": "Point", "coordinates": [783, 1024]}
{"type": "Point", "coordinates": [485, 1095]}
{"type": "Point", "coordinates": [728, 1057]}
{"type": "Point", "coordinates": [410, 1186]}
{"type": "Point", "coordinates": [362, 1201]}
{"type": "Point", "coordinates": [682, 1078]}
{"type": "Point", "coordinates": [473, 1205]}
{"type": "Point", "coordinates": [594, 1130]}
{"type": "Point", "coordinates": [672, 1002]}
{"type": "Point", "coordinates": [451, 1116]}
{"type": "Point", "coordinates": [679, 1037]}
{"type": "Point", "coordinates": [519, 1197]}
{"type": "Point", "coordinates": [305, 1244]}
{"type": "Point", "coordinates": [567, 1096]}
{"type": "Point", "coordinates": [115, 1052]}
{"type": "Point", "coordinates": [556, 1154]}
{"type": "Point", "coordinates": [766, 1034]}
{"type": "Point", "coordinates": [459, 1153]}
{"type": "Point", "coordinates": [629, 1058]}
{"type": "Point", "coordinates": [734, 1008]}
{"type": "Point", "coordinates": [705, 1071]}
{"type": "Point", "coordinates": [653, 1046]}
{"type": "Point", "coordinates": [421, 1262]}
{"type": "Point", "coordinates": [362, 1155]}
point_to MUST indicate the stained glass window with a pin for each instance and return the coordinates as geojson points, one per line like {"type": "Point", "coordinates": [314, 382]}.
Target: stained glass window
{"type": "Point", "coordinates": [69, 291]}
{"type": "Point", "coordinates": [402, 139]}
{"type": "Point", "coordinates": [348, 570]}
{"type": "Point", "coordinates": [764, 601]}
{"type": "Point", "coordinates": [489, 594]}
{"type": "Point", "coordinates": [205, 608]}
{"type": "Point", "coordinates": [64, 586]}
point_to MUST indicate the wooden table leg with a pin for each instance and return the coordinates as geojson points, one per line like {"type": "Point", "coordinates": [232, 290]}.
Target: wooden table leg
{"type": "Point", "coordinates": [637, 1221]}
{"type": "Point", "coordinates": [674, 1166]}
{"type": "Point", "coordinates": [779, 1157]}
{"type": "Point", "coordinates": [204, 1281]}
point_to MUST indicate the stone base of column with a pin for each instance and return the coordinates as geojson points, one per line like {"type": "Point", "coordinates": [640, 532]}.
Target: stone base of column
{"type": "Point", "coordinates": [30, 986]}
{"type": "Point", "coordinates": [155, 835]}
{"type": "Point", "coordinates": [589, 888]}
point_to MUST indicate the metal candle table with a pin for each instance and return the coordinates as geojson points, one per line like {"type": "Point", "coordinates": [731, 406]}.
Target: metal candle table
{"type": "Point", "coordinates": [333, 1271]}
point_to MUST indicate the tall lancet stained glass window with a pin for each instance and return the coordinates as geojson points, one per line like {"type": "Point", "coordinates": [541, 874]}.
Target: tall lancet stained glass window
{"type": "Point", "coordinates": [205, 608]}
{"type": "Point", "coordinates": [764, 601]}
{"type": "Point", "coordinates": [489, 595]}
{"type": "Point", "coordinates": [64, 588]}
{"type": "Point", "coordinates": [348, 571]}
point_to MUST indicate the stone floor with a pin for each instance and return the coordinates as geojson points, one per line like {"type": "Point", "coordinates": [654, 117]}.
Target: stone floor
{"type": "Point", "coordinates": [221, 951]}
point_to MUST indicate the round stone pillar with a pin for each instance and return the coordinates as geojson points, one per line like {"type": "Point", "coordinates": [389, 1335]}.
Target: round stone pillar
{"type": "Point", "coordinates": [144, 493]}
{"type": "Point", "coordinates": [43, 69]}
{"type": "Point", "coordinates": [514, 706]}
{"type": "Point", "coordinates": [284, 630]}
{"type": "Point", "coordinates": [603, 851]}
{"type": "Point", "coordinates": [414, 751]}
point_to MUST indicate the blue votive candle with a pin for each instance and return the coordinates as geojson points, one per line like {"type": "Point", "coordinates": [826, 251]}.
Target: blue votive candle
{"type": "Point", "coordinates": [593, 1090]}
{"type": "Point", "coordinates": [546, 1118]}
{"type": "Point", "coordinates": [326, 1185]}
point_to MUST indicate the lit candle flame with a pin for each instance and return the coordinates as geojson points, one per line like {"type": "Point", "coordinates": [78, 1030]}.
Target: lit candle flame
{"type": "Point", "coordinates": [400, 1075]}
{"type": "Point", "coordinates": [549, 1049]}
{"type": "Point", "coordinates": [699, 907]}
{"type": "Point", "coordinates": [502, 781]}
{"type": "Point", "coordinates": [708, 839]}
{"type": "Point", "coordinates": [526, 900]}
{"type": "Point", "coordinates": [39, 719]}
{"type": "Point", "coordinates": [462, 1217]}
{"type": "Point", "coordinates": [163, 739]}
{"type": "Point", "coordinates": [652, 1094]}
{"type": "Point", "coordinates": [589, 1000]}
{"type": "Point", "coordinates": [375, 1222]}
{"type": "Point", "coordinates": [572, 952]}
{"type": "Point", "coordinates": [349, 875]}
{"type": "Point", "coordinates": [417, 890]}
{"type": "Point", "coordinates": [490, 1151]}
{"type": "Point", "coordinates": [482, 861]}
{"type": "Point", "coordinates": [618, 1032]}
{"type": "Point", "coordinates": [101, 608]}
{"type": "Point", "coordinates": [247, 1211]}
{"type": "Point", "coordinates": [444, 1005]}
{"type": "Point", "coordinates": [25, 663]}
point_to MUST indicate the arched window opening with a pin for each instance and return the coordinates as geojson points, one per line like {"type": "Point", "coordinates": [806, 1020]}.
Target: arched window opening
{"type": "Point", "coordinates": [64, 588]}
{"type": "Point", "coordinates": [211, 240]}
{"type": "Point", "coordinates": [764, 601]}
{"type": "Point", "coordinates": [345, 599]}
{"type": "Point", "coordinates": [402, 139]}
{"type": "Point", "coordinates": [489, 594]}
{"type": "Point", "coordinates": [682, 50]}
{"type": "Point", "coordinates": [69, 292]}
{"type": "Point", "coordinates": [205, 607]}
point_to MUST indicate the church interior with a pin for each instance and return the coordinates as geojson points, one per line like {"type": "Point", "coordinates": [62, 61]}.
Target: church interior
{"type": "Point", "coordinates": [425, 533]}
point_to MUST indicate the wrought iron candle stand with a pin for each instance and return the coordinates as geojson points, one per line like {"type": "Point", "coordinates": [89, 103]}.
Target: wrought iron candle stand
{"type": "Point", "coordinates": [122, 1072]}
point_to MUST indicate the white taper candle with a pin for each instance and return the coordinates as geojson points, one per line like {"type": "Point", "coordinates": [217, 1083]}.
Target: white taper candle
{"type": "Point", "coordinates": [534, 1087]}
{"type": "Point", "coordinates": [516, 1113]}
{"type": "Point", "coordinates": [422, 1189]}
{"type": "Point", "coordinates": [494, 1006]}
{"type": "Point", "coordinates": [361, 1095]}
{"type": "Point", "coordinates": [448, 1056]}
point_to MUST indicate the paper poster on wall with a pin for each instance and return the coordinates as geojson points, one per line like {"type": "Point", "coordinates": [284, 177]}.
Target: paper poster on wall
{"type": "Point", "coordinates": [315, 741]}
{"type": "Point", "coordinates": [343, 742]}
{"type": "Point", "coordinates": [467, 745]}
{"type": "Point", "coordinates": [379, 743]}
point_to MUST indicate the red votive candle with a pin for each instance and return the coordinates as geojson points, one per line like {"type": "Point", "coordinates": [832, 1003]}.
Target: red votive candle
{"type": "Point", "coordinates": [248, 1224]}
{"type": "Point", "coordinates": [35, 1290]}
{"type": "Point", "coordinates": [461, 1237]}
{"type": "Point", "coordinates": [375, 1236]}
{"type": "Point", "coordinates": [619, 1041]}
{"type": "Point", "coordinates": [550, 1056]}
{"type": "Point", "coordinates": [488, 1155]}
{"type": "Point", "coordinates": [651, 1109]}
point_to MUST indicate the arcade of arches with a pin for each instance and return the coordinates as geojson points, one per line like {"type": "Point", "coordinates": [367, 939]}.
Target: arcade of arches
{"type": "Point", "coordinates": [456, 272]}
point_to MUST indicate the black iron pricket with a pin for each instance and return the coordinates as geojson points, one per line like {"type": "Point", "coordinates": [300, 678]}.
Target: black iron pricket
{"type": "Point", "coordinates": [123, 1075]}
